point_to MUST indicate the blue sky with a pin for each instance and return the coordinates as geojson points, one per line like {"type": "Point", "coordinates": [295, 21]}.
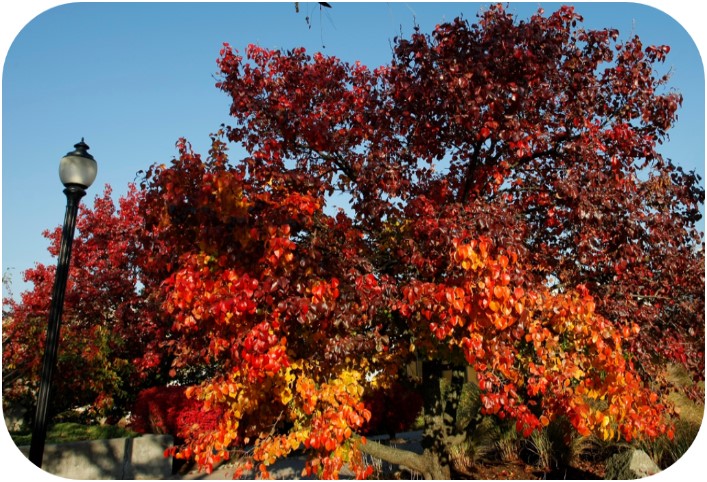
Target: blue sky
{"type": "Point", "coordinates": [133, 78]}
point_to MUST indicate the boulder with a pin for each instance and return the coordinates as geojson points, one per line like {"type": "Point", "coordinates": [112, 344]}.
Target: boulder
{"type": "Point", "coordinates": [631, 464]}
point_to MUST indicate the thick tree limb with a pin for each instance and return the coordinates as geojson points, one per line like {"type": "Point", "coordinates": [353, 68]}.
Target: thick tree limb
{"type": "Point", "coordinates": [404, 458]}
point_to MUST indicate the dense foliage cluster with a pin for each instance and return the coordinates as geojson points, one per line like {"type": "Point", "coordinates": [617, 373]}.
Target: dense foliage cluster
{"type": "Point", "coordinates": [106, 338]}
{"type": "Point", "coordinates": [394, 409]}
{"type": "Point", "coordinates": [168, 410]}
{"type": "Point", "coordinates": [503, 206]}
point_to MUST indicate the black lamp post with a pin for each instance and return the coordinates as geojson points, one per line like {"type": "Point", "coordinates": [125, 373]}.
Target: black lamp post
{"type": "Point", "coordinates": [77, 171]}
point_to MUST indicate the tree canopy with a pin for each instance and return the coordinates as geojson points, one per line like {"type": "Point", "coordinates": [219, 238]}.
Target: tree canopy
{"type": "Point", "coordinates": [106, 343]}
{"type": "Point", "coordinates": [503, 205]}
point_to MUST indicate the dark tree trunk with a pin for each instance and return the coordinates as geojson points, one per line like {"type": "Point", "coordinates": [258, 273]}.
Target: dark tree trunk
{"type": "Point", "coordinates": [443, 429]}
{"type": "Point", "coordinates": [442, 432]}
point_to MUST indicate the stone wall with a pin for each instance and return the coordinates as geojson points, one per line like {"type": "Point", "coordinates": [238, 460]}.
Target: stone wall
{"type": "Point", "coordinates": [115, 459]}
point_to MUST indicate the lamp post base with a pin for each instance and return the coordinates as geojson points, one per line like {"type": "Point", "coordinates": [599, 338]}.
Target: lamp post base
{"type": "Point", "coordinates": [74, 193]}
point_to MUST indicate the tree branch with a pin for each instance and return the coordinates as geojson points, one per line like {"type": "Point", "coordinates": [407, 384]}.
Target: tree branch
{"type": "Point", "coordinates": [340, 164]}
{"type": "Point", "coordinates": [404, 458]}
{"type": "Point", "coordinates": [471, 168]}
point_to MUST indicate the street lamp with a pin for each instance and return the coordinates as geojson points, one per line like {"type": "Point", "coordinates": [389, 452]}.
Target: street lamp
{"type": "Point", "coordinates": [77, 171]}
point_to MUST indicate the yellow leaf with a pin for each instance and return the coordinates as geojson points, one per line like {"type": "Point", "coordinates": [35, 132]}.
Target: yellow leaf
{"type": "Point", "coordinates": [286, 396]}
{"type": "Point", "coordinates": [605, 421]}
{"type": "Point", "coordinates": [289, 376]}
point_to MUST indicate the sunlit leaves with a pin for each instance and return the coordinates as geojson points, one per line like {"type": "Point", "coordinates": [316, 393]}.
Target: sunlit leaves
{"type": "Point", "coordinates": [104, 354]}
{"type": "Point", "coordinates": [504, 205]}
{"type": "Point", "coordinates": [537, 354]}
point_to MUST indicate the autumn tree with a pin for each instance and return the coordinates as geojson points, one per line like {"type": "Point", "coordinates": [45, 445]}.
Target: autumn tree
{"type": "Point", "coordinates": [104, 354]}
{"type": "Point", "coordinates": [503, 206]}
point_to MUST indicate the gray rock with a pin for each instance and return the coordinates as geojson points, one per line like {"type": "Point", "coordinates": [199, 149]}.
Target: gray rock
{"type": "Point", "coordinates": [14, 418]}
{"type": "Point", "coordinates": [631, 464]}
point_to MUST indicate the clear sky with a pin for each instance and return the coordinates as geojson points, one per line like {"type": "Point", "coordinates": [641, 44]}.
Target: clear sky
{"type": "Point", "coordinates": [133, 78]}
